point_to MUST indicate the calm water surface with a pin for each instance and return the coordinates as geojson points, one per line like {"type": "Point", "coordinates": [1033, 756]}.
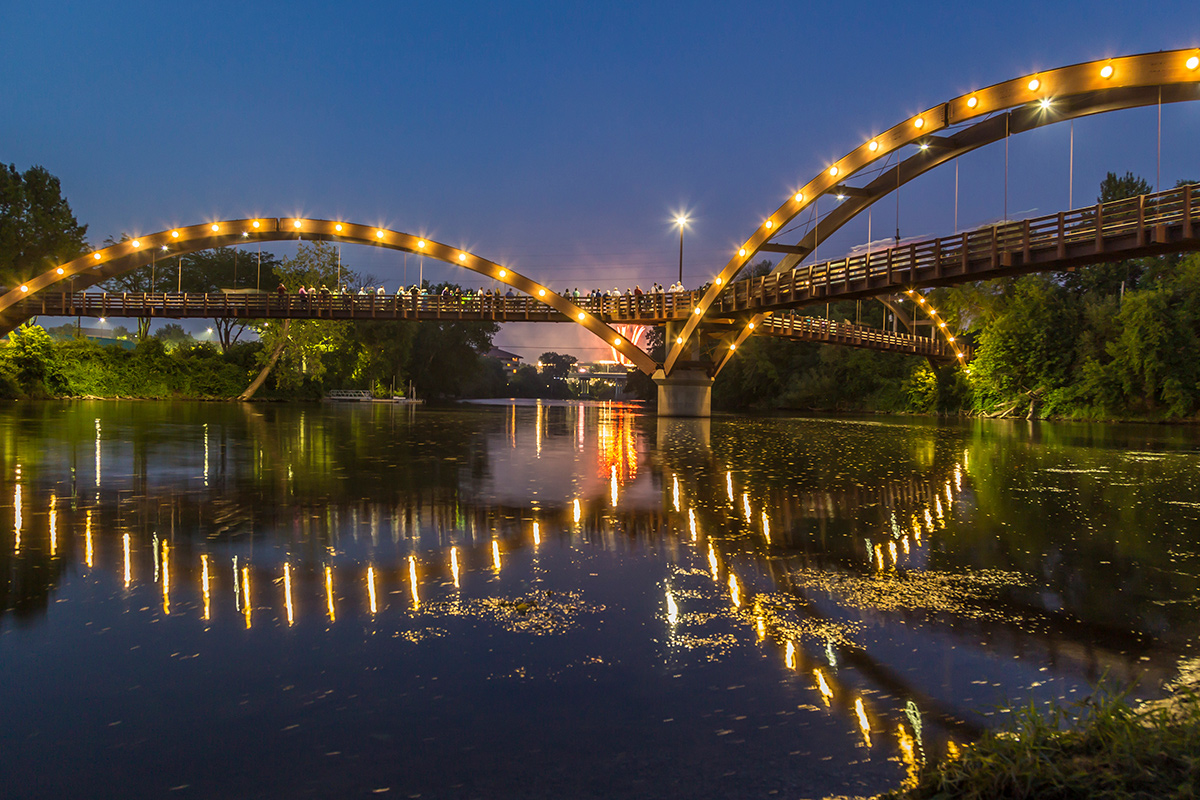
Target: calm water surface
{"type": "Point", "coordinates": [217, 600]}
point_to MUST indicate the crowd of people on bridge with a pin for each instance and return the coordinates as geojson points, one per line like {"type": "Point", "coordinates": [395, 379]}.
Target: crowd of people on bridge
{"type": "Point", "coordinates": [632, 299]}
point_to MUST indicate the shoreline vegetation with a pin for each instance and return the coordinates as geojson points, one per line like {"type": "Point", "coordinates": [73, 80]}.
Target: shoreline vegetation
{"type": "Point", "coordinates": [1100, 747]}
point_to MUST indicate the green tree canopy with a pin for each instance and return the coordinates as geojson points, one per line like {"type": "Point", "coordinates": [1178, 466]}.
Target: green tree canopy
{"type": "Point", "coordinates": [37, 228]}
{"type": "Point", "coordinates": [557, 365]}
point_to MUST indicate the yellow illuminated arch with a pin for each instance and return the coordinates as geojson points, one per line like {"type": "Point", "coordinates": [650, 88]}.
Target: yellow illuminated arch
{"type": "Point", "coordinates": [123, 257]}
{"type": "Point", "coordinates": [990, 114]}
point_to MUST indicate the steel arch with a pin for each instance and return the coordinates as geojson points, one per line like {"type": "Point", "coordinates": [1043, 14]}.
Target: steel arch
{"type": "Point", "coordinates": [122, 257]}
{"type": "Point", "coordinates": [991, 113]}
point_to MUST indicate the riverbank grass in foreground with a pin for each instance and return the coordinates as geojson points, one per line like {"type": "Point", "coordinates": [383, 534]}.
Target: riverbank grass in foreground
{"type": "Point", "coordinates": [1099, 748]}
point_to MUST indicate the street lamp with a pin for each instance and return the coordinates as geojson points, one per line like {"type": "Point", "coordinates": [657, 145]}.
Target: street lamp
{"type": "Point", "coordinates": [682, 222]}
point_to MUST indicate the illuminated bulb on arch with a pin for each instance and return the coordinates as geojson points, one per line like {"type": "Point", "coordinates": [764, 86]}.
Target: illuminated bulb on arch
{"type": "Point", "coordinates": [256, 224]}
{"type": "Point", "coordinates": [136, 243]}
{"type": "Point", "coordinates": [462, 256]}
{"type": "Point", "coordinates": [581, 315]}
{"type": "Point", "coordinates": [742, 252]}
{"type": "Point", "coordinates": [873, 146]}
{"type": "Point", "coordinates": [972, 101]}
{"type": "Point", "coordinates": [1106, 71]}
{"type": "Point", "coordinates": [1034, 85]}
{"type": "Point", "coordinates": [768, 224]}
{"type": "Point", "coordinates": [799, 198]}
{"type": "Point", "coordinates": [733, 345]}
{"type": "Point", "coordinates": [421, 243]}
{"type": "Point", "coordinates": [919, 122]}
{"type": "Point", "coordinates": [24, 288]}
{"type": "Point", "coordinates": [698, 310]}
{"type": "Point", "coordinates": [215, 227]}
{"type": "Point", "coordinates": [678, 340]}
{"type": "Point", "coordinates": [503, 273]}
{"type": "Point", "coordinates": [60, 270]}
{"type": "Point", "coordinates": [541, 292]}
{"type": "Point", "coordinates": [1045, 104]}
{"type": "Point", "coordinates": [833, 172]}
{"type": "Point", "coordinates": [97, 256]}
{"type": "Point", "coordinates": [338, 227]}
{"type": "Point", "coordinates": [174, 234]}
{"type": "Point", "coordinates": [1192, 62]}
{"type": "Point", "coordinates": [296, 224]}
{"type": "Point", "coordinates": [718, 280]}
{"type": "Point", "coordinates": [751, 326]}
{"type": "Point", "coordinates": [617, 341]}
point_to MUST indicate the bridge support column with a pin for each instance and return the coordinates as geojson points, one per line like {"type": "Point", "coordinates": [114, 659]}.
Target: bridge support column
{"type": "Point", "coordinates": [684, 393]}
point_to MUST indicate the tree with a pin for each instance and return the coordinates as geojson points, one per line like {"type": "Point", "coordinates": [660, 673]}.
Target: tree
{"type": "Point", "coordinates": [37, 227]}
{"type": "Point", "coordinates": [445, 358]}
{"type": "Point", "coordinates": [557, 366]}
{"type": "Point", "coordinates": [172, 335]}
{"type": "Point", "coordinates": [205, 272]}
{"type": "Point", "coordinates": [1108, 279]}
{"type": "Point", "coordinates": [308, 342]}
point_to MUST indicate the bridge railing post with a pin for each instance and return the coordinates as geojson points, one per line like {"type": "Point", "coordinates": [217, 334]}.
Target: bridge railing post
{"type": "Point", "coordinates": [1141, 220]}
{"type": "Point", "coordinates": [1188, 194]}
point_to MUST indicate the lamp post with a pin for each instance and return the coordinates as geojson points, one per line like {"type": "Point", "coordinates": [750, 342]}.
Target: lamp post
{"type": "Point", "coordinates": [681, 221]}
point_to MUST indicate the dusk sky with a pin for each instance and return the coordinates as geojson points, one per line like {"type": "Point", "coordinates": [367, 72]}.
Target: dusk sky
{"type": "Point", "coordinates": [557, 138]}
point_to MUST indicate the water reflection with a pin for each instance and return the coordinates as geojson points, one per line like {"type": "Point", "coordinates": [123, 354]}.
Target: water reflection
{"type": "Point", "coordinates": [844, 557]}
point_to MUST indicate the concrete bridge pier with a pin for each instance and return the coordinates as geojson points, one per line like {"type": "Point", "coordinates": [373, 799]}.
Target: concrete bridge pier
{"type": "Point", "coordinates": [684, 393]}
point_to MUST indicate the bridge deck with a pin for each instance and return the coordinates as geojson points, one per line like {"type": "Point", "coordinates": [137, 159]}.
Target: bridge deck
{"type": "Point", "coordinates": [437, 307]}
{"type": "Point", "coordinates": [1155, 224]}
{"type": "Point", "coordinates": [653, 309]}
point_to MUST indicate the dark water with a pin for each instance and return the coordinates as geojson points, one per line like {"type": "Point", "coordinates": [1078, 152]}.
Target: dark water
{"type": "Point", "coordinates": [562, 601]}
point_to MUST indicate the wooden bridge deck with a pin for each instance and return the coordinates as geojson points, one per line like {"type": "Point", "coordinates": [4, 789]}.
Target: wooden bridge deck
{"type": "Point", "coordinates": [1155, 224]}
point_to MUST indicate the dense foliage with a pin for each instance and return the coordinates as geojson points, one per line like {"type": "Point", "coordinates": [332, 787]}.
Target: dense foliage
{"type": "Point", "coordinates": [37, 228]}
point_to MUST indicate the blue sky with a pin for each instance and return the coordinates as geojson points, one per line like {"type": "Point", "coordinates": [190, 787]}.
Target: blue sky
{"type": "Point", "coordinates": [558, 138]}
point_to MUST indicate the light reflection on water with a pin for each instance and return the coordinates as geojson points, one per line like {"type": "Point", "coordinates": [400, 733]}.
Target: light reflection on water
{"type": "Point", "coordinates": [566, 592]}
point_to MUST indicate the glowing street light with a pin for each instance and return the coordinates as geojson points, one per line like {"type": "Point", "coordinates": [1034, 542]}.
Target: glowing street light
{"type": "Point", "coordinates": [681, 220]}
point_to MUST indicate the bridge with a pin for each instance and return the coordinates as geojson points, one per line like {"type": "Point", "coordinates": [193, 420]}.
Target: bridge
{"type": "Point", "coordinates": [655, 309]}
{"type": "Point", "coordinates": [705, 328]}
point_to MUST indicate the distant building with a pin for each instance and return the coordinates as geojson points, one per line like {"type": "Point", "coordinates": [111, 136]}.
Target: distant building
{"type": "Point", "coordinates": [510, 361]}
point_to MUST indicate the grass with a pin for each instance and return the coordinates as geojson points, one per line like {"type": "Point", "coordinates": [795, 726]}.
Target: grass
{"type": "Point", "coordinates": [1101, 747]}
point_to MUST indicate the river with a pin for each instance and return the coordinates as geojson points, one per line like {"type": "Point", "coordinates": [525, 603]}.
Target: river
{"type": "Point", "coordinates": [563, 600]}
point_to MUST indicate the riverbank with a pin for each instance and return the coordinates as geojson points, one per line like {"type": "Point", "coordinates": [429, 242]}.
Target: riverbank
{"type": "Point", "coordinates": [1102, 747]}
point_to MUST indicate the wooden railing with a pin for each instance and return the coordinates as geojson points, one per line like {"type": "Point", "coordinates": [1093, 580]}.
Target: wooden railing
{"type": "Point", "coordinates": [1161, 222]}
{"type": "Point", "coordinates": [649, 308]}
{"type": "Point", "coordinates": [818, 329]}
